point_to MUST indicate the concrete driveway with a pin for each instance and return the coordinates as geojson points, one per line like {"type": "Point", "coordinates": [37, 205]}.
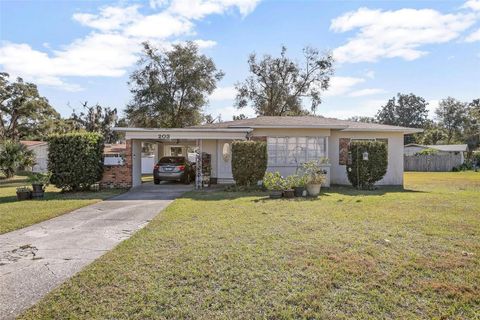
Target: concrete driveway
{"type": "Point", "coordinates": [36, 259]}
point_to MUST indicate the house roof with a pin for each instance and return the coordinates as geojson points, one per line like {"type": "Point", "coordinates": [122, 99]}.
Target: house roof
{"type": "Point", "coordinates": [31, 143]}
{"type": "Point", "coordinates": [442, 147]}
{"type": "Point", "coordinates": [306, 122]}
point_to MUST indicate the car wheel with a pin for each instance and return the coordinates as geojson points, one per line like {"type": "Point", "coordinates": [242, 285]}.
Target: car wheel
{"type": "Point", "coordinates": [156, 181]}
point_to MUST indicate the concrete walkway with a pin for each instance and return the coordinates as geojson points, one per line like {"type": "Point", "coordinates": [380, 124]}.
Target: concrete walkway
{"type": "Point", "coordinates": [36, 259]}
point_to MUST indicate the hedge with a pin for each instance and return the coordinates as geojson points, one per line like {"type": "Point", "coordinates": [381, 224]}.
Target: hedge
{"type": "Point", "coordinates": [249, 162]}
{"type": "Point", "coordinates": [75, 160]}
{"type": "Point", "coordinates": [363, 174]}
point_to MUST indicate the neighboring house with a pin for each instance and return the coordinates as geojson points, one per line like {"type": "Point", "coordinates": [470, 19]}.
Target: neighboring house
{"type": "Point", "coordinates": [290, 142]}
{"type": "Point", "coordinates": [114, 154]}
{"type": "Point", "coordinates": [443, 149]}
{"type": "Point", "coordinates": [40, 149]}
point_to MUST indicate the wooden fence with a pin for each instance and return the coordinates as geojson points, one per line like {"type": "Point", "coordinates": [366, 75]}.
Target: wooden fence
{"type": "Point", "coordinates": [443, 162]}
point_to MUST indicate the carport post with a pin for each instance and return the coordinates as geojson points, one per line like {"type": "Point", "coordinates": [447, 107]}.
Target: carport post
{"type": "Point", "coordinates": [198, 173]}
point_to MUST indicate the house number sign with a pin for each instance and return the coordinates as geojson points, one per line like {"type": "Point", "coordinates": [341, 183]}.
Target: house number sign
{"type": "Point", "coordinates": [165, 136]}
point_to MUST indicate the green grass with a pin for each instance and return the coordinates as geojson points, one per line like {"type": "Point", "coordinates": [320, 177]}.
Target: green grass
{"type": "Point", "coordinates": [390, 253]}
{"type": "Point", "coordinates": [18, 214]}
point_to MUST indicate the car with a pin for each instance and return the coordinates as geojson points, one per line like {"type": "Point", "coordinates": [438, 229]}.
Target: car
{"type": "Point", "coordinates": [173, 169]}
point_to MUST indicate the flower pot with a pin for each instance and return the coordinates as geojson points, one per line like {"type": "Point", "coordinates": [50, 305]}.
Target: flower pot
{"type": "Point", "coordinates": [289, 193]}
{"type": "Point", "coordinates": [24, 195]}
{"type": "Point", "coordinates": [37, 187]}
{"type": "Point", "coordinates": [299, 191]}
{"type": "Point", "coordinates": [276, 194]}
{"type": "Point", "coordinates": [313, 189]}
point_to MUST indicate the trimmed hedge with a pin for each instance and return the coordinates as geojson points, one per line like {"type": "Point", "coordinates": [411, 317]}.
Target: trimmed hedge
{"type": "Point", "coordinates": [75, 160]}
{"type": "Point", "coordinates": [368, 171]}
{"type": "Point", "coordinates": [249, 162]}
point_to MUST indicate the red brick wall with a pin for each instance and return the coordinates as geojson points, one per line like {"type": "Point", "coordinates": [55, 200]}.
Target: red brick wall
{"type": "Point", "coordinates": [119, 176]}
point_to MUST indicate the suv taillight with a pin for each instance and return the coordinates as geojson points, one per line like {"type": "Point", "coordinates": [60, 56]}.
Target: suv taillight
{"type": "Point", "coordinates": [156, 166]}
{"type": "Point", "coordinates": [180, 168]}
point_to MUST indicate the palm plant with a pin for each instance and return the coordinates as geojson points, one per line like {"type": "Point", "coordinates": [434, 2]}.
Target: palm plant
{"type": "Point", "coordinates": [13, 156]}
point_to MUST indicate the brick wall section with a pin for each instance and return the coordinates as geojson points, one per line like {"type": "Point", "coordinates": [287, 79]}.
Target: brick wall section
{"type": "Point", "coordinates": [119, 176]}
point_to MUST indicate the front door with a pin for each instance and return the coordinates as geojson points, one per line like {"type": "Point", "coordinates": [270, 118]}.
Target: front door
{"type": "Point", "coordinates": [224, 156]}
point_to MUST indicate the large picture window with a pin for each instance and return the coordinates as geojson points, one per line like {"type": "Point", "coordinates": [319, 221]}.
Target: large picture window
{"type": "Point", "coordinates": [295, 150]}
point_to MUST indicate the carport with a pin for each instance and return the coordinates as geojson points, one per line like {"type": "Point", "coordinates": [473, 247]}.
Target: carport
{"type": "Point", "coordinates": [213, 141]}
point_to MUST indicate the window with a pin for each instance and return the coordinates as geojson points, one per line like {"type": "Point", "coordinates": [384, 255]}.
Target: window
{"type": "Point", "coordinates": [295, 150]}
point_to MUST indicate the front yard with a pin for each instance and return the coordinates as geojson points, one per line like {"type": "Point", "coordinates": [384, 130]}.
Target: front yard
{"type": "Point", "coordinates": [18, 214]}
{"type": "Point", "coordinates": [390, 253]}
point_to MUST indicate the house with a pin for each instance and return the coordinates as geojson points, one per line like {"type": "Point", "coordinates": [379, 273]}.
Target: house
{"type": "Point", "coordinates": [447, 157]}
{"type": "Point", "coordinates": [40, 149]}
{"type": "Point", "coordinates": [290, 142]}
{"type": "Point", "coordinates": [456, 149]}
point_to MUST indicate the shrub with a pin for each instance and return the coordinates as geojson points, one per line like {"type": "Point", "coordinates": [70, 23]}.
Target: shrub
{"type": "Point", "coordinates": [274, 181]}
{"type": "Point", "coordinates": [427, 152]}
{"type": "Point", "coordinates": [13, 156]}
{"type": "Point", "coordinates": [314, 173]}
{"type": "Point", "coordinates": [249, 161]}
{"type": "Point", "coordinates": [365, 173]}
{"type": "Point", "coordinates": [75, 160]}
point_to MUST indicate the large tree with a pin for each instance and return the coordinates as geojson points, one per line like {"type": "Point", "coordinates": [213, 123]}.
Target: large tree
{"type": "Point", "coordinates": [406, 110]}
{"type": "Point", "coordinates": [97, 119]}
{"type": "Point", "coordinates": [22, 109]}
{"type": "Point", "coordinates": [472, 124]}
{"type": "Point", "coordinates": [171, 87]}
{"type": "Point", "coordinates": [452, 116]}
{"type": "Point", "coordinates": [278, 85]}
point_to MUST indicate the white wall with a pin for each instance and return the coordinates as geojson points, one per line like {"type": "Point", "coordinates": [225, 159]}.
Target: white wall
{"type": "Point", "coordinates": [148, 162]}
{"type": "Point", "coordinates": [394, 175]}
{"type": "Point", "coordinates": [136, 163]}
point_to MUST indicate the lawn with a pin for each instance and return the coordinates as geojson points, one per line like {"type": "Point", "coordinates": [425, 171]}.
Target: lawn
{"type": "Point", "coordinates": [18, 214]}
{"type": "Point", "coordinates": [390, 253]}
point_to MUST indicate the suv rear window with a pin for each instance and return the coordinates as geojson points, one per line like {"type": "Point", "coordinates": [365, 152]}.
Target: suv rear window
{"type": "Point", "coordinates": [172, 160]}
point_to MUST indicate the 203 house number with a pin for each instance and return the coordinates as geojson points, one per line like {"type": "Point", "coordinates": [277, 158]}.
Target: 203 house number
{"type": "Point", "coordinates": [164, 136]}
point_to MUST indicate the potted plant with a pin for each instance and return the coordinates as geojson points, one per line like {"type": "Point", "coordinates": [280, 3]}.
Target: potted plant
{"type": "Point", "coordinates": [298, 184]}
{"type": "Point", "coordinates": [24, 193]}
{"type": "Point", "coordinates": [315, 176]}
{"type": "Point", "coordinates": [39, 182]}
{"type": "Point", "coordinates": [275, 183]}
{"type": "Point", "coordinates": [290, 183]}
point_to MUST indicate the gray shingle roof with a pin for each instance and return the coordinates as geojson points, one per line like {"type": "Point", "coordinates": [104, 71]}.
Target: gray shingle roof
{"type": "Point", "coordinates": [305, 121]}
{"type": "Point", "coordinates": [450, 147]}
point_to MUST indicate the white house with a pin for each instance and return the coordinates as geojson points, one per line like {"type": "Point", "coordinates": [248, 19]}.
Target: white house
{"type": "Point", "coordinates": [442, 149]}
{"type": "Point", "coordinates": [290, 140]}
{"type": "Point", "coordinates": [40, 149]}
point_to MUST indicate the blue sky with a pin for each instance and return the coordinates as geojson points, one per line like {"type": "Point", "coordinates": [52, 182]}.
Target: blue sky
{"type": "Point", "coordinates": [84, 50]}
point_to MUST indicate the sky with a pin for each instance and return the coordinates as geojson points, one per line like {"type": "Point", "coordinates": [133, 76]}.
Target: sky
{"type": "Point", "coordinates": [79, 51]}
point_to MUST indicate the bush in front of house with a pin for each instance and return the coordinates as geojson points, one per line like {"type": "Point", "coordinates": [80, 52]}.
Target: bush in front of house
{"type": "Point", "coordinates": [363, 174]}
{"type": "Point", "coordinates": [75, 160]}
{"type": "Point", "coordinates": [249, 162]}
{"type": "Point", "coordinates": [14, 156]}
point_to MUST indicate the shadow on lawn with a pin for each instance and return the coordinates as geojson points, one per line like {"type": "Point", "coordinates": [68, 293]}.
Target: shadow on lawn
{"type": "Point", "coordinates": [52, 195]}
{"type": "Point", "coordinates": [219, 194]}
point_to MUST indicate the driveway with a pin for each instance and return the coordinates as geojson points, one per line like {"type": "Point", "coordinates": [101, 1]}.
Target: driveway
{"type": "Point", "coordinates": [36, 259]}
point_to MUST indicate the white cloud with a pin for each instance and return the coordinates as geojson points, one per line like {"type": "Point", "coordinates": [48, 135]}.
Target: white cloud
{"type": "Point", "coordinates": [114, 42]}
{"type": "Point", "coordinates": [203, 44]}
{"type": "Point", "coordinates": [396, 34]}
{"type": "Point", "coordinates": [223, 93]}
{"type": "Point", "coordinates": [366, 92]}
{"type": "Point", "coordinates": [341, 85]}
{"type": "Point", "coordinates": [367, 108]}
{"type": "Point", "coordinates": [370, 74]}
{"type": "Point", "coordinates": [474, 36]}
{"type": "Point", "coordinates": [472, 4]}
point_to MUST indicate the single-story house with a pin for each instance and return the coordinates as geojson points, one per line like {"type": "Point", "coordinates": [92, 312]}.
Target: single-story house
{"type": "Point", "coordinates": [457, 149]}
{"type": "Point", "coordinates": [290, 142]}
{"type": "Point", "coordinates": [40, 149]}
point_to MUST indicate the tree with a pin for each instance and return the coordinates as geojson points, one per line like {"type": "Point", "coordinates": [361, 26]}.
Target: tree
{"type": "Point", "coordinates": [472, 125]}
{"type": "Point", "coordinates": [451, 115]}
{"type": "Point", "coordinates": [97, 119]}
{"type": "Point", "coordinates": [22, 109]}
{"type": "Point", "coordinates": [362, 119]}
{"type": "Point", "coordinates": [241, 116]}
{"type": "Point", "coordinates": [171, 87]}
{"type": "Point", "coordinates": [13, 156]}
{"type": "Point", "coordinates": [407, 110]}
{"type": "Point", "coordinates": [433, 135]}
{"type": "Point", "coordinates": [277, 85]}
